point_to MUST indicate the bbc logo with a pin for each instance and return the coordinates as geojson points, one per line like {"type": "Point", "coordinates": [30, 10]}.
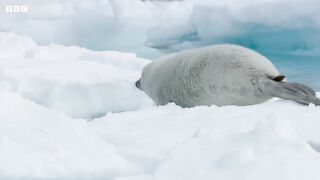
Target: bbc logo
{"type": "Point", "coordinates": [16, 8]}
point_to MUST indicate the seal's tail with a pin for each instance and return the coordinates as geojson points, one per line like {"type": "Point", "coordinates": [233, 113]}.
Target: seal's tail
{"type": "Point", "coordinates": [290, 91]}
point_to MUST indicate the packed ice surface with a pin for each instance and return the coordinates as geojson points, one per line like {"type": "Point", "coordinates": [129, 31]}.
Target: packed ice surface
{"type": "Point", "coordinates": [79, 82]}
{"type": "Point", "coordinates": [37, 142]}
{"type": "Point", "coordinates": [73, 113]}
{"type": "Point", "coordinates": [267, 141]}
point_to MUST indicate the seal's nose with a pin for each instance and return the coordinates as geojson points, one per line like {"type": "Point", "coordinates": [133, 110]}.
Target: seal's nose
{"type": "Point", "coordinates": [138, 84]}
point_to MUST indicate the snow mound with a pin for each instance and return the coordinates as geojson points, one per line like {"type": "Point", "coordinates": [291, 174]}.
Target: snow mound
{"type": "Point", "coordinates": [270, 151]}
{"type": "Point", "coordinates": [266, 141]}
{"type": "Point", "coordinates": [77, 81]}
{"type": "Point", "coordinates": [40, 143]}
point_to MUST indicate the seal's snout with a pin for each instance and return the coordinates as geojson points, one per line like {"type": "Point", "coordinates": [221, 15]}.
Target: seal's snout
{"type": "Point", "coordinates": [138, 84]}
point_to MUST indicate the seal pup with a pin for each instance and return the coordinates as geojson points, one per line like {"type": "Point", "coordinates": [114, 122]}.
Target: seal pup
{"type": "Point", "coordinates": [218, 75]}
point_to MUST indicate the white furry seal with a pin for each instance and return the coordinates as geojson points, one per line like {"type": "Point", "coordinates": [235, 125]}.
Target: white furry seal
{"type": "Point", "coordinates": [219, 75]}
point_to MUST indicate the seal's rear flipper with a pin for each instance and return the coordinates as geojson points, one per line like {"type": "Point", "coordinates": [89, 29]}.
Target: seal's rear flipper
{"type": "Point", "coordinates": [289, 91]}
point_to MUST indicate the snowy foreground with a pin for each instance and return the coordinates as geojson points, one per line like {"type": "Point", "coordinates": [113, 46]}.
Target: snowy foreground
{"type": "Point", "coordinates": [68, 113]}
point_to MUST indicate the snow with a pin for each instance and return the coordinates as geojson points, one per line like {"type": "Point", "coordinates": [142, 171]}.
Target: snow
{"type": "Point", "coordinates": [79, 82]}
{"type": "Point", "coordinates": [37, 142]}
{"type": "Point", "coordinates": [266, 141]}
{"type": "Point", "coordinates": [71, 113]}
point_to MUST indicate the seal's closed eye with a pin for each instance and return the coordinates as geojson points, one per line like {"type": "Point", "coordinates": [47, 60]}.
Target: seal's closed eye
{"type": "Point", "coordinates": [278, 78]}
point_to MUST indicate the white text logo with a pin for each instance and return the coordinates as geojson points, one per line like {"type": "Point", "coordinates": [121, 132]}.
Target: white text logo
{"type": "Point", "coordinates": [16, 8]}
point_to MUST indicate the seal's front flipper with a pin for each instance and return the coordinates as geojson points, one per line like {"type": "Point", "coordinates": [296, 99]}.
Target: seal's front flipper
{"type": "Point", "coordinates": [289, 91]}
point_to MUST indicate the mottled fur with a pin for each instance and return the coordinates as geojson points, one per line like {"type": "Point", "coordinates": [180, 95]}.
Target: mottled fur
{"type": "Point", "coordinates": [219, 75]}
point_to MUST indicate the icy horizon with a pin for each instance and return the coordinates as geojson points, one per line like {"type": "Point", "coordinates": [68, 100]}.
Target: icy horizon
{"type": "Point", "coordinates": [287, 32]}
{"type": "Point", "coordinates": [141, 27]}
